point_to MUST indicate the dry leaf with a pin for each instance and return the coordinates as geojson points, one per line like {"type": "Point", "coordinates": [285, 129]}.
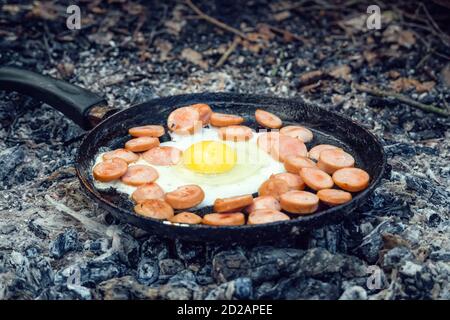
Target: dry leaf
{"type": "Point", "coordinates": [283, 15]}
{"type": "Point", "coordinates": [310, 77]}
{"type": "Point", "coordinates": [404, 84]}
{"type": "Point", "coordinates": [164, 47]}
{"type": "Point", "coordinates": [395, 34]}
{"type": "Point", "coordinates": [341, 72]}
{"type": "Point", "coordinates": [445, 75]}
{"type": "Point", "coordinates": [194, 57]}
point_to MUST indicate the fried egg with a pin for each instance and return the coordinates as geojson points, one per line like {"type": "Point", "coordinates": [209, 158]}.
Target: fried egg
{"type": "Point", "coordinates": [221, 168]}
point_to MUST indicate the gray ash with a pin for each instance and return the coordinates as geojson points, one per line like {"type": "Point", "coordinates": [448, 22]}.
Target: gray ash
{"type": "Point", "coordinates": [56, 244]}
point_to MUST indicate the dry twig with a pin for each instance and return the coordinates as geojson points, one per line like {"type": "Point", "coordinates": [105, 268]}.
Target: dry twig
{"type": "Point", "coordinates": [215, 22]}
{"type": "Point", "coordinates": [402, 98]}
{"type": "Point", "coordinates": [228, 52]}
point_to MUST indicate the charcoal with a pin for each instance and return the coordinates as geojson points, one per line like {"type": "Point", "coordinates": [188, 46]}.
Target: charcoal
{"type": "Point", "coordinates": [396, 256]}
{"type": "Point", "coordinates": [229, 265]}
{"type": "Point", "coordinates": [354, 293]}
{"type": "Point", "coordinates": [9, 159]}
{"type": "Point", "coordinates": [7, 228]}
{"type": "Point", "coordinates": [64, 242]}
{"type": "Point", "coordinates": [170, 266]}
{"type": "Point", "coordinates": [440, 255]}
{"type": "Point", "coordinates": [189, 251]}
{"type": "Point", "coordinates": [154, 248]}
{"type": "Point", "coordinates": [243, 288]}
{"type": "Point", "coordinates": [148, 271]}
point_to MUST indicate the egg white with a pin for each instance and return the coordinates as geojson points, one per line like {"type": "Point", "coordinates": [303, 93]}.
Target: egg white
{"type": "Point", "coordinates": [253, 166]}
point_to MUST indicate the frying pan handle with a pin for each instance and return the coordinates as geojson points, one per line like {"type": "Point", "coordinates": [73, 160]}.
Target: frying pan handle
{"type": "Point", "coordinates": [85, 108]}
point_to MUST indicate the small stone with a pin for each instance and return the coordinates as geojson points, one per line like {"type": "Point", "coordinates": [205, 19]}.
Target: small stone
{"type": "Point", "coordinates": [7, 228]}
{"type": "Point", "coordinates": [395, 257]}
{"type": "Point", "coordinates": [440, 255]}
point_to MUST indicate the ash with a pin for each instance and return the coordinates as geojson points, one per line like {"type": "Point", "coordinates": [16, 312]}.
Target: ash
{"type": "Point", "coordinates": [55, 244]}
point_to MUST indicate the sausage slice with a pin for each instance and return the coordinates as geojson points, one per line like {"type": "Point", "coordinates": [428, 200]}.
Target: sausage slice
{"type": "Point", "coordinates": [147, 131]}
{"type": "Point", "coordinates": [334, 197]}
{"type": "Point", "coordinates": [299, 202]}
{"type": "Point", "coordinates": [141, 144]}
{"type": "Point", "coordinates": [224, 219]}
{"type": "Point", "coordinates": [315, 151]}
{"type": "Point", "coordinates": [233, 203]}
{"type": "Point", "coordinates": [185, 197]}
{"type": "Point", "coordinates": [163, 156]}
{"type": "Point", "coordinates": [334, 159]}
{"type": "Point", "coordinates": [273, 187]}
{"type": "Point", "coordinates": [293, 164]}
{"type": "Point", "coordinates": [293, 180]}
{"type": "Point", "coordinates": [224, 120]}
{"type": "Point", "coordinates": [267, 140]}
{"type": "Point", "coordinates": [235, 133]}
{"type": "Point", "coordinates": [316, 179]}
{"type": "Point", "coordinates": [204, 111]}
{"type": "Point", "coordinates": [184, 120]}
{"type": "Point", "coordinates": [264, 202]}
{"type": "Point", "coordinates": [267, 119]}
{"type": "Point", "coordinates": [288, 146]}
{"type": "Point", "coordinates": [139, 174]}
{"type": "Point", "coordinates": [351, 179]}
{"type": "Point", "coordinates": [186, 217]}
{"type": "Point", "coordinates": [298, 132]}
{"type": "Point", "coordinates": [110, 170]}
{"type": "Point", "coordinates": [146, 192]}
{"type": "Point", "coordinates": [127, 155]}
{"type": "Point", "coordinates": [266, 216]}
{"type": "Point", "coordinates": [154, 208]}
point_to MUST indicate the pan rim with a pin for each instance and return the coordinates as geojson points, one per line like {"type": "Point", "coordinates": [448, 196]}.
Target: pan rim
{"type": "Point", "coordinates": [301, 219]}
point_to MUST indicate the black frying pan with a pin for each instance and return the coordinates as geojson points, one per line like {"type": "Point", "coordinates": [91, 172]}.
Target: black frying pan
{"type": "Point", "coordinates": [87, 109]}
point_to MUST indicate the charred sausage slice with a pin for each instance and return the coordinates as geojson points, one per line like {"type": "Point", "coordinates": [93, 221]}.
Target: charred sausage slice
{"type": "Point", "coordinates": [351, 179]}
{"type": "Point", "coordinates": [266, 216]}
{"type": "Point", "coordinates": [147, 131]}
{"type": "Point", "coordinates": [185, 197]}
{"type": "Point", "coordinates": [154, 208]}
{"type": "Point", "coordinates": [141, 144]}
{"type": "Point", "coordinates": [123, 154]}
{"type": "Point", "coordinates": [186, 217]}
{"type": "Point", "coordinates": [224, 219]}
{"type": "Point", "coordinates": [184, 120]}
{"type": "Point", "coordinates": [334, 197]}
{"type": "Point", "coordinates": [163, 156]}
{"type": "Point", "coordinates": [233, 203]}
{"type": "Point", "coordinates": [110, 170]}
{"type": "Point", "coordinates": [316, 179]}
{"type": "Point", "coordinates": [146, 192]}
{"type": "Point", "coordinates": [267, 119]}
{"type": "Point", "coordinates": [302, 202]}
{"type": "Point", "coordinates": [334, 159]}
{"type": "Point", "coordinates": [139, 174]}
{"type": "Point", "coordinates": [235, 133]}
{"type": "Point", "coordinates": [224, 120]}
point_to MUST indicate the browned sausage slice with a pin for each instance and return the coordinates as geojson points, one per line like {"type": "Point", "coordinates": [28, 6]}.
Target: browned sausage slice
{"type": "Point", "coordinates": [299, 202]}
{"type": "Point", "coordinates": [184, 120]}
{"type": "Point", "coordinates": [316, 179]}
{"type": "Point", "coordinates": [274, 188]}
{"type": "Point", "coordinates": [224, 120]}
{"type": "Point", "coordinates": [334, 197]}
{"type": "Point", "coordinates": [293, 180]}
{"type": "Point", "coordinates": [264, 202]}
{"type": "Point", "coordinates": [224, 219]}
{"type": "Point", "coordinates": [293, 164]}
{"type": "Point", "coordinates": [233, 203]}
{"type": "Point", "coordinates": [139, 174]}
{"type": "Point", "coordinates": [146, 192]}
{"type": "Point", "coordinates": [235, 133]}
{"type": "Point", "coordinates": [141, 144]}
{"type": "Point", "coordinates": [186, 217]}
{"type": "Point", "coordinates": [110, 170]}
{"type": "Point", "coordinates": [205, 112]}
{"type": "Point", "coordinates": [163, 156]}
{"type": "Point", "coordinates": [123, 154]}
{"type": "Point", "coordinates": [267, 119]}
{"type": "Point", "coordinates": [154, 208]}
{"type": "Point", "coordinates": [334, 159]}
{"type": "Point", "coordinates": [147, 131]}
{"type": "Point", "coordinates": [315, 151]}
{"type": "Point", "coordinates": [298, 132]}
{"type": "Point", "coordinates": [266, 216]}
{"type": "Point", "coordinates": [288, 146]}
{"type": "Point", "coordinates": [185, 197]}
{"type": "Point", "coordinates": [351, 179]}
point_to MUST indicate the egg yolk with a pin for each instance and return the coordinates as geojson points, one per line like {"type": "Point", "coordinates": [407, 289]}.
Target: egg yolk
{"type": "Point", "coordinates": [209, 157]}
